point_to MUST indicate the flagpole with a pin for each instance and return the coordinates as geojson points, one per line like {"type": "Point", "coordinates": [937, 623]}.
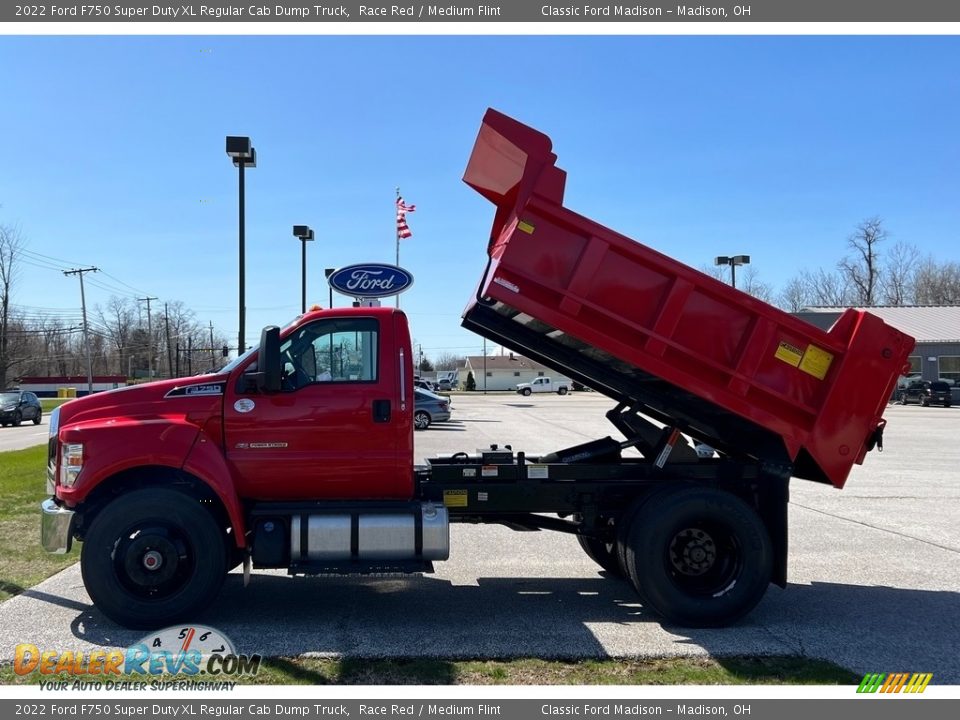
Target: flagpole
{"type": "Point", "coordinates": [397, 230]}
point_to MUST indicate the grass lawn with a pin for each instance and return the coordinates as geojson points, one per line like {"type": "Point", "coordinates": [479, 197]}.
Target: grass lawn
{"type": "Point", "coordinates": [24, 563]}
{"type": "Point", "coordinates": [672, 671]}
{"type": "Point", "coordinates": [49, 404]}
{"type": "Point", "coordinates": [22, 487]}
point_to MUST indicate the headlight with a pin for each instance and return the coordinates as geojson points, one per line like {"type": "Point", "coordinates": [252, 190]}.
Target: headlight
{"type": "Point", "coordinates": [71, 463]}
{"type": "Point", "coordinates": [10, 409]}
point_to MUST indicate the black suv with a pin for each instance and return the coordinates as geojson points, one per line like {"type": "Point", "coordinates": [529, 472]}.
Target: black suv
{"type": "Point", "coordinates": [925, 393]}
{"type": "Point", "coordinates": [17, 406]}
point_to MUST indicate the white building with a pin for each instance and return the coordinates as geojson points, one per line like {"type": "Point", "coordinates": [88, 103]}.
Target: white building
{"type": "Point", "coordinates": [503, 372]}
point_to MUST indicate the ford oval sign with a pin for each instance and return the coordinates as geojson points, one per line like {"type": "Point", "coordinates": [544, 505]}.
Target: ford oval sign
{"type": "Point", "coordinates": [370, 280]}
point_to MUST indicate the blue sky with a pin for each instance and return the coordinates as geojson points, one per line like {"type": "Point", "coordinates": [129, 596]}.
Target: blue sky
{"type": "Point", "coordinates": [113, 156]}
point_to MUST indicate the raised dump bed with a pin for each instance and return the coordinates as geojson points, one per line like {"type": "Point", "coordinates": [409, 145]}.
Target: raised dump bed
{"type": "Point", "coordinates": [664, 338]}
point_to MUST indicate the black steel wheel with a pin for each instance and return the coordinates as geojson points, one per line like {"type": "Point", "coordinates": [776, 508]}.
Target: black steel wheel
{"type": "Point", "coordinates": [699, 557]}
{"type": "Point", "coordinates": [153, 557]}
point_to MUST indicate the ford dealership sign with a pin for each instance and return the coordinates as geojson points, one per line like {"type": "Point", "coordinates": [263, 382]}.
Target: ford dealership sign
{"type": "Point", "coordinates": [370, 280]}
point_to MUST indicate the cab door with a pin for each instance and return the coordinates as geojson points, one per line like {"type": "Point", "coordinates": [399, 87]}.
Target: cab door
{"type": "Point", "coordinates": [332, 431]}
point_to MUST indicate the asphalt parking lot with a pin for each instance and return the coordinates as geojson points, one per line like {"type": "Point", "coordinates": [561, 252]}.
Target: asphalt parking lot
{"type": "Point", "coordinates": [874, 572]}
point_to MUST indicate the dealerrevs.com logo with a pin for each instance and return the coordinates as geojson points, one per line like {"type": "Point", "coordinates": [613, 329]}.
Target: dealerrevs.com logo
{"type": "Point", "coordinates": [193, 651]}
{"type": "Point", "coordinates": [895, 682]}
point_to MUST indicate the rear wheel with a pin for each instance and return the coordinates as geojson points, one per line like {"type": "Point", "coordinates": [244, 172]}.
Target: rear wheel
{"type": "Point", "coordinates": [421, 420]}
{"type": "Point", "coordinates": [38, 418]}
{"type": "Point", "coordinates": [562, 391]}
{"type": "Point", "coordinates": [603, 552]}
{"type": "Point", "coordinates": [153, 557]}
{"type": "Point", "coordinates": [526, 392]}
{"type": "Point", "coordinates": [697, 556]}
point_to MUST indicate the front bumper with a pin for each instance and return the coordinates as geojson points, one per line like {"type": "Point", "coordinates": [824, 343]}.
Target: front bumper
{"type": "Point", "coordinates": [56, 527]}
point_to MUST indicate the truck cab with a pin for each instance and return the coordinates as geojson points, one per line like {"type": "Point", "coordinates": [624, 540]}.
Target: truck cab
{"type": "Point", "coordinates": [167, 478]}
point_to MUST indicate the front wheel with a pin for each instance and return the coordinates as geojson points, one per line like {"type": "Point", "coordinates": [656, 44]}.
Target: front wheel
{"type": "Point", "coordinates": [699, 557]}
{"type": "Point", "coordinates": [421, 420]}
{"type": "Point", "coordinates": [153, 557]}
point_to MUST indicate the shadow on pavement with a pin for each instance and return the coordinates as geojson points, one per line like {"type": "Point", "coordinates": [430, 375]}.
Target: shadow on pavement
{"type": "Point", "coordinates": [867, 629]}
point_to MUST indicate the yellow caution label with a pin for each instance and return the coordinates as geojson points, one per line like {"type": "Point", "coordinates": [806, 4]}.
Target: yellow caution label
{"type": "Point", "coordinates": [790, 354]}
{"type": "Point", "coordinates": [816, 362]}
{"type": "Point", "coordinates": [526, 227]}
{"type": "Point", "coordinates": [455, 498]}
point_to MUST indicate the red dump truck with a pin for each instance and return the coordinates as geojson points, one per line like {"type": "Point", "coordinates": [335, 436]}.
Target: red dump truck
{"type": "Point", "coordinates": [270, 463]}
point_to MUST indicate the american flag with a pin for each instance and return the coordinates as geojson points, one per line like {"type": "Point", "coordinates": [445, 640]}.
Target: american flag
{"type": "Point", "coordinates": [403, 230]}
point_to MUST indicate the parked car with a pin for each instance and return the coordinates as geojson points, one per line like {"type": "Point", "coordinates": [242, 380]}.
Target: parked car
{"type": "Point", "coordinates": [445, 384]}
{"type": "Point", "coordinates": [17, 406]}
{"type": "Point", "coordinates": [927, 393]}
{"type": "Point", "coordinates": [424, 385]}
{"type": "Point", "coordinates": [428, 408]}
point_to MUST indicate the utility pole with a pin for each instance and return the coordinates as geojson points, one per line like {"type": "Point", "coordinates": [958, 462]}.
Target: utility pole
{"type": "Point", "coordinates": [149, 337]}
{"type": "Point", "coordinates": [213, 358]}
{"type": "Point", "coordinates": [86, 335]}
{"type": "Point", "coordinates": [166, 320]}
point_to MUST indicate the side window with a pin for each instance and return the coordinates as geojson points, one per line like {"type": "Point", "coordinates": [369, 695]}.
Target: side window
{"type": "Point", "coordinates": [338, 351]}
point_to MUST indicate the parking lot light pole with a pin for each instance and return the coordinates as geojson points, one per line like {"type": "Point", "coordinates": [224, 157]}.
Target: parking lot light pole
{"type": "Point", "coordinates": [306, 235]}
{"type": "Point", "coordinates": [243, 154]}
{"type": "Point", "coordinates": [328, 272]}
{"type": "Point", "coordinates": [732, 261]}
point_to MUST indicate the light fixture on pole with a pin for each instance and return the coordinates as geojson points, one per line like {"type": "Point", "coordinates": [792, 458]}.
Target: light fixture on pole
{"type": "Point", "coordinates": [306, 235]}
{"type": "Point", "coordinates": [243, 154]}
{"type": "Point", "coordinates": [733, 261]}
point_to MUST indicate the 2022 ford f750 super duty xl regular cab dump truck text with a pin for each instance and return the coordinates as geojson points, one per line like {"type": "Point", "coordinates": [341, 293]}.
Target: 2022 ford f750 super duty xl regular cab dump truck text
{"type": "Point", "coordinates": [273, 463]}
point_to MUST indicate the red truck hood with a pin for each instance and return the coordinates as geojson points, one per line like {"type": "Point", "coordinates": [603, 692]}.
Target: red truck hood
{"type": "Point", "coordinates": [196, 398]}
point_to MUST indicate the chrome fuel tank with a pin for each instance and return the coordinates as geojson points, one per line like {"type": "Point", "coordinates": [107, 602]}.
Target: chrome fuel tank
{"type": "Point", "coordinates": [380, 535]}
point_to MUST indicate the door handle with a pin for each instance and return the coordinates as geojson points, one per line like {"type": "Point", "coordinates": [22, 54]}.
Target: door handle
{"type": "Point", "coordinates": [381, 411]}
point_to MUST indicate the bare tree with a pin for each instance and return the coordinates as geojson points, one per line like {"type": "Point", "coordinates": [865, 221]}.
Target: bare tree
{"type": "Point", "coordinates": [751, 284]}
{"type": "Point", "coordinates": [936, 283]}
{"type": "Point", "coordinates": [795, 295]}
{"type": "Point", "coordinates": [117, 321]}
{"type": "Point", "coordinates": [898, 274]}
{"type": "Point", "coordinates": [449, 361]}
{"type": "Point", "coordinates": [826, 289]}
{"type": "Point", "coordinates": [861, 269]}
{"type": "Point", "coordinates": [10, 243]}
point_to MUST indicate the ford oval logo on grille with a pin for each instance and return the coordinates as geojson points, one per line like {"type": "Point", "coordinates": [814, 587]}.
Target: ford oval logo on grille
{"type": "Point", "coordinates": [370, 280]}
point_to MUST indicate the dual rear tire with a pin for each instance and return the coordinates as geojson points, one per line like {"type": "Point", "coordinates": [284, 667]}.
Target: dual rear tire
{"type": "Point", "coordinates": [698, 557]}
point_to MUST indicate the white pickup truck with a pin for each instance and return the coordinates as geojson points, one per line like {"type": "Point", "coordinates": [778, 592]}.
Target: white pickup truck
{"type": "Point", "coordinates": [544, 385]}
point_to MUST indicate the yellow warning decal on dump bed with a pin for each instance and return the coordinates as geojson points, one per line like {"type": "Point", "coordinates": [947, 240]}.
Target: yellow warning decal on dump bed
{"type": "Point", "coordinates": [813, 361]}
{"type": "Point", "coordinates": [790, 354]}
{"type": "Point", "coordinates": [816, 362]}
{"type": "Point", "coordinates": [455, 498]}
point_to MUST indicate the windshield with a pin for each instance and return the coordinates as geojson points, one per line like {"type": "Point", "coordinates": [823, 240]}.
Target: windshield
{"type": "Point", "coordinates": [230, 366]}
{"type": "Point", "coordinates": [9, 397]}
